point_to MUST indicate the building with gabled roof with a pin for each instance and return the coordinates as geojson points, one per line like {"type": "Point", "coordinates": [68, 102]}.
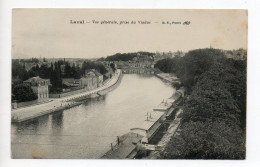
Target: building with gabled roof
{"type": "Point", "coordinates": [39, 86]}
{"type": "Point", "coordinates": [91, 80]}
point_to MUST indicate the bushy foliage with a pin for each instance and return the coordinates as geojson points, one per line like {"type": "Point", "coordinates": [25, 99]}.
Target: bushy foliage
{"type": "Point", "coordinates": [56, 81]}
{"type": "Point", "coordinates": [213, 121]}
{"type": "Point", "coordinates": [191, 66]}
{"type": "Point", "coordinates": [23, 92]}
{"type": "Point", "coordinates": [167, 65]}
{"type": "Point", "coordinates": [92, 65]}
{"type": "Point", "coordinates": [206, 140]}
{"type": "Point", "coordinates": [126, 56]}
{"type": "Point", "coordinates": [19, 72]}
{"type": "Point", "coordinates": [54, 73]}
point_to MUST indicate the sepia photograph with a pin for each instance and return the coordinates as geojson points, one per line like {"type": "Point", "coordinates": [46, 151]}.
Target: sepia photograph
{"type": "Point", "coordinates": [129, 84]}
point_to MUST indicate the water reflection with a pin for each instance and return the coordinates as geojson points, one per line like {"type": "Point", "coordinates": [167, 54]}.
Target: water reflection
{"type": "Point", "coordinates": [86, 131]}
{"type": "Point", "coordinates": [57, 121]}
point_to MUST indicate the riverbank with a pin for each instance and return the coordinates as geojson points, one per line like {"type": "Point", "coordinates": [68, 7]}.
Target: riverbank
{"type": "Point", "coordinates": [172, 120]}
{"type": "Point", "coordinates": [87, 131]}
{"type": "Point", "coordinates": [155, 132]}
{"type": "Point", "coordinates": [171, 131]}
{"type": "Point", "coordinates": [167, 121]}
{"type": "Point", "coordinates": [27, 113]}
{"type": "Point", "coordinates": [125, 147]}
{"type": "Point", "coordinates": [168, 77]}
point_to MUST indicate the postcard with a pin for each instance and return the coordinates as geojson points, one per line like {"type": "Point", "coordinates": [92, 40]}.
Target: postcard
{"type": "Point", "coordinates": [128, 83]}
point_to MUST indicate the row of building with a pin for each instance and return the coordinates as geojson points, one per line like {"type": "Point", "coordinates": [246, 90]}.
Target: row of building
{"type": "Point", "coordinates": [141, 61]}
{"type": "Point", "coordinates": [239, 54]}
{"type": "Point", "coordinates": [47, 62]}
{"type": "Point", "coordinates": [92, 79]}
{"type": "Point", "coordinates": [139, 64]}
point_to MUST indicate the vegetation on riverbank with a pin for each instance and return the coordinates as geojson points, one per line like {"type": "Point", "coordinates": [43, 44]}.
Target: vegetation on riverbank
{"type": "Point", "coordinates": [23, 92]}
{"type": "Point", "coordinates": [53, 72]}
{"type": "Point", "coordinates": [125, 56]}
{"type": "Point", "coordinates": [213, 123]}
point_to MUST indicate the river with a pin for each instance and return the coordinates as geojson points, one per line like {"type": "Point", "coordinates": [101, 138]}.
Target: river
{"type": "Point", "coordinates": [86, 131]}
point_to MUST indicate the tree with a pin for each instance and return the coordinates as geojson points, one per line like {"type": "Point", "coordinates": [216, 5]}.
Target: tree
{"type": "Point", "coordinates": [206, 140]}
{"type": "Point", "coordinates": [127, 56]}
{"type": "Point", "coordinates": [56, 81]}
{"type": "Point", "coordinates": [112, 65]}
{"type": "Point", "coordinates": [213, 119]}
{"type": "Point", "coordinates": [67, 71]}
{"type": "Point", "coordinates": [191, 66]}
{"type": "Point", "coordinates": [167, 65]}
{"type": "Point", "coordinates": [19, 72]}
{"type": "Point", "coordinates": [87, 65]}
{"type": "Point", "coordinates": [44, 72]}
{"type": "Point", "coordinates": [23, 92]}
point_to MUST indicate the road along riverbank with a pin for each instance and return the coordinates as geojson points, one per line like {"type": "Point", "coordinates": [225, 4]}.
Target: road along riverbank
{"type": "Point", "coordinates": [27, 113]}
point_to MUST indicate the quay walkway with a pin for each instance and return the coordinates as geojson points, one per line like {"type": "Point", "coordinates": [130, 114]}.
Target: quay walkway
{"type": "Point", "coordinates": [172, 130]}
{"type": "Point", "coordinates": [170, 78]}
{"type": "Point", "coordinates": [139, 136]}
{"type": "Point", "coordinates": [133, 142]}
{"type": "Point", "coordinates": [26, 113]}
{"type": "Point", "coordinates": [126, 149]}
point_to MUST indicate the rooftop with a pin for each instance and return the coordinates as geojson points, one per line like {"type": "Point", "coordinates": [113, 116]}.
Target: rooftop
{"type": "Point", "coordinates": [125, 148]}
{"type": "Point", "coordinates": [163, 106]}
{"type": "Point", "coordinates": [147, 124]}
{"type": "Point", "coordinates": [176, 96]}
{"type": "Point", "coordinates": [35, 79]}
{"type": "Point", "coordinates": [93, 71]}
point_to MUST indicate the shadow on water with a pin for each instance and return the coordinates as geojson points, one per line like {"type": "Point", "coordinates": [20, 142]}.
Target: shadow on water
{"type": "Point", "coordinates": [57, 122]}
{"type": "Point", "coordinates": [31, 125]}
{"type": "Point", "coordinates": [95, 100]}
{"type": "Point", "coordinates": [56, 117]}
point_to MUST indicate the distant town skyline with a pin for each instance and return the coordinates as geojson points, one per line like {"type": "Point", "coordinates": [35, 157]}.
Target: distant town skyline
{"type": "Point", "coordinates": [48, 32]}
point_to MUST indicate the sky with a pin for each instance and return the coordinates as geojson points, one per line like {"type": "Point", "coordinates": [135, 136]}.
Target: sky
{"type": "Point", "coordinates": [48, 32]}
